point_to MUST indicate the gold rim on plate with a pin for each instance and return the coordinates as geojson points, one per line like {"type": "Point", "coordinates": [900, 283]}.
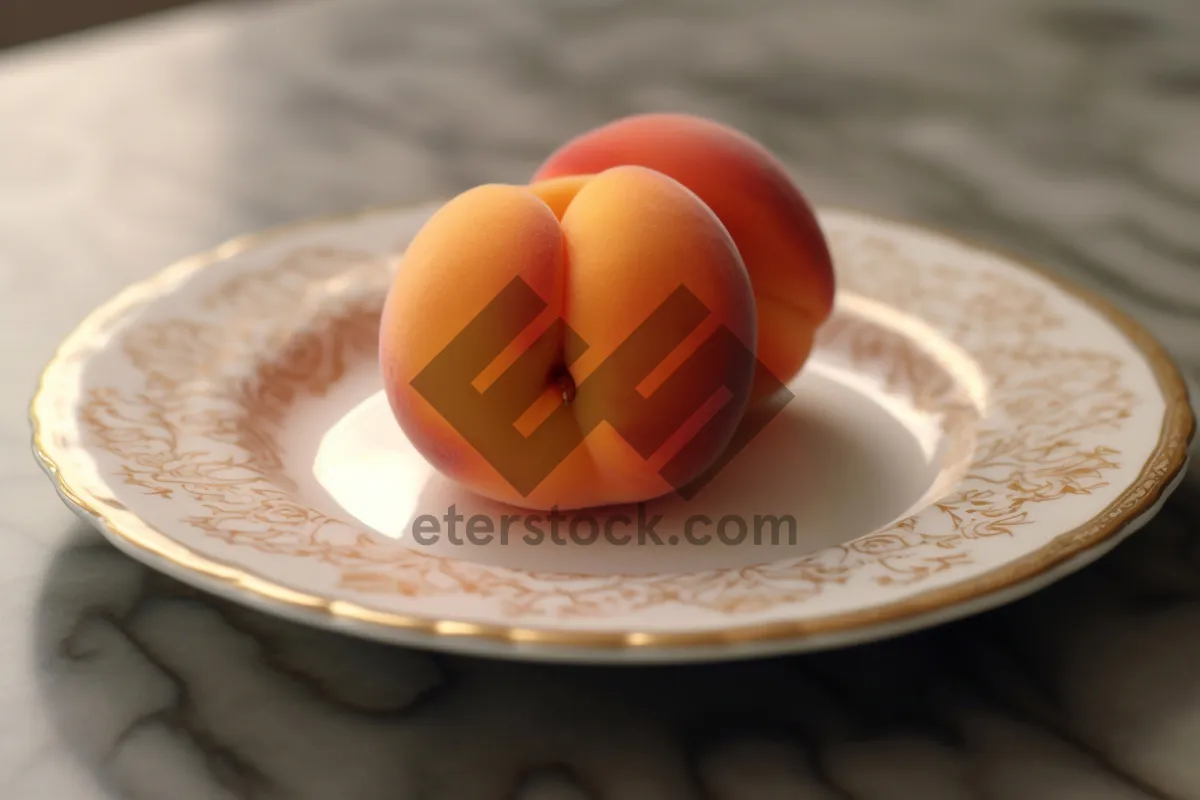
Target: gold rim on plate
{"type": "Point", "coordinates": [1160, 472]}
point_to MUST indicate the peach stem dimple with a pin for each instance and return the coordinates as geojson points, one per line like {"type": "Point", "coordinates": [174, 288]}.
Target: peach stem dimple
{"type": "Point", "coordinates": [565, 383]}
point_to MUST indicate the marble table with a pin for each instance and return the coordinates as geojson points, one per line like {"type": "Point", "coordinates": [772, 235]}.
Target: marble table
{"type": "Point", "coordinates": [1064, 130]}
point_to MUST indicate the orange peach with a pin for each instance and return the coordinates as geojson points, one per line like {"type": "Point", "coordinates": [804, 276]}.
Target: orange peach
{"type": "Point", "coordinates": [559, 393]}
{"type": "Point", "coordinates": [770, 220]}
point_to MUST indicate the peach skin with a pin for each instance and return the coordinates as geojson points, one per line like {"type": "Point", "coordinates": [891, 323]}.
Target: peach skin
{"type": "Point", "coordinates": [616, 370]}
{"type": "Point", "coordinates": [769, 219]}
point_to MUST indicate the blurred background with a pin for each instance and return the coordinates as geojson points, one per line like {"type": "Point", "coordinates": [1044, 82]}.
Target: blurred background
{"type": "Point", "coordinates": [24, 21]}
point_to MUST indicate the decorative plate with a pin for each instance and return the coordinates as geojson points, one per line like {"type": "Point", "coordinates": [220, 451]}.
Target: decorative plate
{"type": "Point", "coordinates": [967, 431]}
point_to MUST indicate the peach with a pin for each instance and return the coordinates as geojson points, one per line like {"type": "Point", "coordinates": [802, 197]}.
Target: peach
{"type": "Point", "coordinates": [554, 391]}
{"type": "Point", "coordinates": [769, 219]}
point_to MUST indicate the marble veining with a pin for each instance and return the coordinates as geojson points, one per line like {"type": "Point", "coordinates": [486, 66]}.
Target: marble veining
{"type": "Point", "coordinates": [1062, 130]}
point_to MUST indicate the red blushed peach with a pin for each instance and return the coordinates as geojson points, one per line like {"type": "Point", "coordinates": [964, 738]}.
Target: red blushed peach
{"type": "Point", "coordinates": [564, 395]}
{"type": "Point", "coordinates": [772, 223]}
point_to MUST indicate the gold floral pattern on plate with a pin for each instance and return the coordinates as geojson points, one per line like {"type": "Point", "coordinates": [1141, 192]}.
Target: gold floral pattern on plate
{"type": "Point", "coordinates": [1072, 437]}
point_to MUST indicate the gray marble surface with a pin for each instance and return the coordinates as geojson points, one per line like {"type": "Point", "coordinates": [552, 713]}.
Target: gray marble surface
{"type": "Point", "coordinates": [1065, 130]}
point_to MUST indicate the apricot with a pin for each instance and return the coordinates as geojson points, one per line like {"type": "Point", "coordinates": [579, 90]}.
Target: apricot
{"type": "Point", "coordinates": [614, 371]}
{"type": "Point", "coordinates": [771, 222]}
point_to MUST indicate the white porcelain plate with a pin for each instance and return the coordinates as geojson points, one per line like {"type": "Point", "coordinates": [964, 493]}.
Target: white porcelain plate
{"type": "Point", "coordinates": [967, 431]}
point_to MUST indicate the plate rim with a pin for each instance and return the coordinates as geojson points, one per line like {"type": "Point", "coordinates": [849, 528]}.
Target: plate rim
{"type": "Point", "coordinates": [1142, 496]}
